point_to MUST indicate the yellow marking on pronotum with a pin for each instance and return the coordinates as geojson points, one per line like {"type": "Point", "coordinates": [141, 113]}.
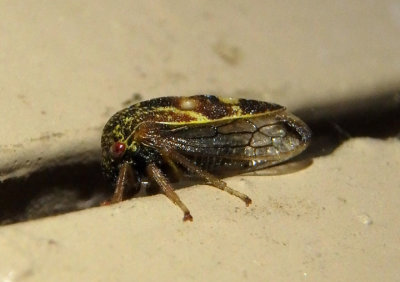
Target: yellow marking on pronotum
{"type": "Point", "coordinates": [232, 117]}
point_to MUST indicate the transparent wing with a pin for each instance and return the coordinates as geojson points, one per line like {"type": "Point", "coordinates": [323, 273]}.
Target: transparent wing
{"type": "Point", "coordinates": [241, 142]}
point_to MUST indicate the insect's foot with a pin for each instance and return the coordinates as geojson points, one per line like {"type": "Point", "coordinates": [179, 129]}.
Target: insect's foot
{"type": "Point", "coordinates": [105, 203]}
{"type": "Point", "coordinates": [247, 201]}
{"type": "Point", "coordinates": [187, 217]}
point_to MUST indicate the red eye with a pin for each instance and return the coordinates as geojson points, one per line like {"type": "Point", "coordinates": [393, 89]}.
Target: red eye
{"type": "Point", "coordinates": [117, 150]}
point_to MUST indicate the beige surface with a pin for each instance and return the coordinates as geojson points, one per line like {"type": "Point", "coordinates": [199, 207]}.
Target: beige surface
{"type": "Point", "coordinates": [65, 67]}
{"type": "Point", "coordinates": [335, 221]}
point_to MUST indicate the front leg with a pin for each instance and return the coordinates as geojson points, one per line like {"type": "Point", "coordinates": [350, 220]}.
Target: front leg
{"type": "Point", "coordinates": [126, 177]}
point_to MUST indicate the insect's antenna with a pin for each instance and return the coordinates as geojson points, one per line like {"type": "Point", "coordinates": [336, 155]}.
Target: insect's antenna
{"type": "Point", "coordinates": [131, 135]}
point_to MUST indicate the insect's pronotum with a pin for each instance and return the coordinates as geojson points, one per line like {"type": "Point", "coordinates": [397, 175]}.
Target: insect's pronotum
{"type": "Point", "coordinates": [155, 140]}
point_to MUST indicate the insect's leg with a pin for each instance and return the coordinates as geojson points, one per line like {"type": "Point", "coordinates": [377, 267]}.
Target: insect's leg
{"type": "Point", "coordinates": [156, 174]}
{"type": "Point", "coordinates": [126, 177]}
{"type": "Point", "coordinates": [174, 171]}
{"type": "Point", "coordinates": [214, 181]}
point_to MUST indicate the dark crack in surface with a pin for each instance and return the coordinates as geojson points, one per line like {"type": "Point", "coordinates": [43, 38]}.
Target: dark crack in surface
{"type": "Point", "coordinates": [68, 188]}
{"type": "Point", "coordinates": [52, 191]}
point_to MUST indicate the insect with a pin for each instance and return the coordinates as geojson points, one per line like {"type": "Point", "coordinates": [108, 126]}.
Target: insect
{"type": "Point", "coordinates": [154, 141]}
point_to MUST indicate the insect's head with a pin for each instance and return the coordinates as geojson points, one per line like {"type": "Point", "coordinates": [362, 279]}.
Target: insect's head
{"type": "Point", "coordinates": [117, 145]}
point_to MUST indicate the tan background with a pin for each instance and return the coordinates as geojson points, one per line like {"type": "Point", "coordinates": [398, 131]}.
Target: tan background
{"type": "Point", "coordinates": [66, 67]}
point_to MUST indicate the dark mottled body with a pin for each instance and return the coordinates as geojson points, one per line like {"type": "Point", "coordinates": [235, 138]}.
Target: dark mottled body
{"type": "Point", "coordinates": [215, 134]}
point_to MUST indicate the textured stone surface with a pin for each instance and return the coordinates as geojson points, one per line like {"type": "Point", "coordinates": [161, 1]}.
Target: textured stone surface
{"type": "Point", "coordinates": [336, 220]}
{"type": "Point", "coordinates": [66, 67]}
